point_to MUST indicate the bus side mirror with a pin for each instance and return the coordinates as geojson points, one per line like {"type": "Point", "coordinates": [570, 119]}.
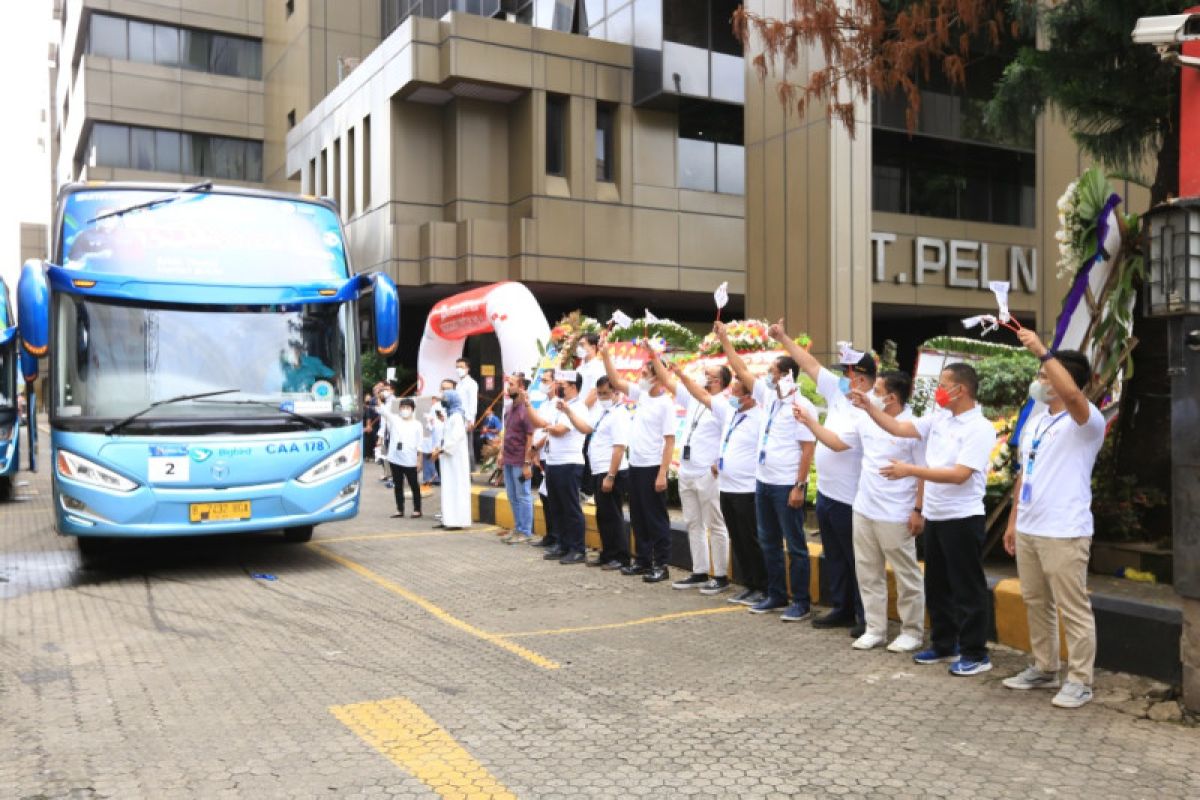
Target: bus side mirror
{"type": "Point", "coordinates": [29, 366]}
{"type": "Point", "coordinates": [387, 315]}
{"type": "Point", "coordinates": [33, 309]}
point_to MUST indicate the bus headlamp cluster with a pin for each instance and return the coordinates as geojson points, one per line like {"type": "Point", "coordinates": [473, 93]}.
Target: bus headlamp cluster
{"type": "Point", "coordinates": [344, 460]}
{"type": "Point", "coordinates": [77, 468]}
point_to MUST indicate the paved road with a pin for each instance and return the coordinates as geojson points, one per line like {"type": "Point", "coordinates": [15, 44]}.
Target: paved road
{"type": "Point", "coordinates": [388, 659]}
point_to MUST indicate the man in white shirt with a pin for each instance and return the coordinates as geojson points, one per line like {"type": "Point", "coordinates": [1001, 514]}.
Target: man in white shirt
{"type": "Point", "coordinates": [785, 453]}
{"type": "Point", "coordinates": [608, 440]}
{"type": "Point", "coordinates": [738, 417]}
{"type": "Point", "coordinates": [1050, 526]}
{"type": "Point", "coordinates": [958, 450]}
{"type": "Point", "coordinates": [837, 476]}
{"type": "Point", "coordinates": [708, 537]}
{"type": "Point", "coordinates": [567, 424]}
{"type": "Point", "coordinates": [886, 519]}
{"type": "Point", "coordinates": [403, 454]}
{"type": "Point", "coordinates": [591, 368]}
{"type": "Point", "coordinates": [468, 392]}
{"type": "Point", "coordinates": [651, 447]}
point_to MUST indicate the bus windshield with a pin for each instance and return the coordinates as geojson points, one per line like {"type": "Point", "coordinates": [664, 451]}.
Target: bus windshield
{"type": "Point", "coordinates": [117, 357]}
{"type": "Point", "coordinates": [202, 238]}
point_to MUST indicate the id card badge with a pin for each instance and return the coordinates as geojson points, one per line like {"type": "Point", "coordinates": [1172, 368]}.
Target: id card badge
{"type": "Point", "coordinates": [687, 452]}
{"type": "Point", "coordinates": [1026, 491]}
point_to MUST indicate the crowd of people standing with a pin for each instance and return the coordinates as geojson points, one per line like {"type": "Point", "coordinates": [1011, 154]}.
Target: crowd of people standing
{"type": "Point", "coordinates": [747, 443]}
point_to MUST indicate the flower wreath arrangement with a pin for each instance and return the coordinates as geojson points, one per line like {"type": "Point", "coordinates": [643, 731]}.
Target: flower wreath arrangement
{"type": "Point", "coordinates": [747, 336]}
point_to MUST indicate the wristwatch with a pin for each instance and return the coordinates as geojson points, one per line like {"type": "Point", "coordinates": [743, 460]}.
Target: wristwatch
{"type": "Point", "coordinates": [610, 477]}
{"type": "Point", "coordinates": [1046, 356]}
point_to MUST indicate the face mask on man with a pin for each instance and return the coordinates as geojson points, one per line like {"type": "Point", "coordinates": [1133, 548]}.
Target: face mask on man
{"type": "Point", "coordinates": [771, 382]}
{"type": "Point", "coordinates": [1040, 392]}
{"type": "Point", "coordinates": [735, 402]}
{"type": "Point", "coordinates": [645, 384]}
{"type": "Point", "coordinates": [462, 372]}
{"type": "Point", "coordinates": [878, 402]}
{"type": "Point", "coordinates": [581, 351]}
{"type": "Point", "coordinates": [844, 385]}
{"type": "Point", "coordinates": [406, 413]}
{"type": "Point", "coordinates": [942, 397]}
{"type": "Point", "coordinates": [605, 402]}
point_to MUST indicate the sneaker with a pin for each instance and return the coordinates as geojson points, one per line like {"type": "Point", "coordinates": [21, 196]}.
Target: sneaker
{"type": "Point", "coordinates": [797, 612]}
{"type": "Point", "coordinates": [754, 599]}
{"type": "Point", "coordinates": [389, 485]}
{"type": "Point", "coordinates": [904, 643]}
{"type": "Point", "coordinates": [966, 667]}
{"type": "Point", "coordinates": [867, 641]}
{"type": "Point", "coordinates": [741, 597]}
{"type": "Point", "coordinates": [1072, 695]}
{"type": "Point", "coordinates": [935, 656]}
{"type": "Point", "coordinates": [516, 537]}
{"type": "Point", "coordinates": [656, 575]}
{"type": "Point", "coordinates": [768, 604]}
{"type": "Point", "coordinates": [831, 620]}
{"type": "Point", "coordinates": [1033, 678]}
{"type": "Point", "coordinates": [693, 581]}
{"type": "Point", "coordinates": [715, 586]}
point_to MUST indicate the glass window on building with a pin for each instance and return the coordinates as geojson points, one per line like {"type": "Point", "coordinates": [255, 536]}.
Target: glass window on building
{"type": "Point", "coordinates": [109, 37]}
{"type": "Point", "coordinates": [110, 145]}
{"type": "Point", "coordinates": [606, 162]}
{"type": "Point", "coordinates": [710, 152]}
{"type": "Point", "coordinates": [721, 27]}
{"type": "Point", "coordinates": [556, 134]}
{"type": "Point", "coordinates": [166, 151]}
{"type": "Point", "coordinates": [141, 42]}
{"type": "Point", "coordinates": [682, 23]}
{"type": "Point", "coordinates": [193, 49]}
{"type": "Point", "coordinates": [235, 56]}
{"type": "Point", "coordinates": [141, 149]}
{"type": "Point", "coordinates": [166, 45]}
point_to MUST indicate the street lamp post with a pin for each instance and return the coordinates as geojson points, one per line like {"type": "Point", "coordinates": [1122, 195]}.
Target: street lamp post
{"type": "Point", "coordinates": [1172, 291]}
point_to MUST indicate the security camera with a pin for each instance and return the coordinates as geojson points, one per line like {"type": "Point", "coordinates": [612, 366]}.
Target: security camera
{"type": "Point", "coordinates": [1168, 30]}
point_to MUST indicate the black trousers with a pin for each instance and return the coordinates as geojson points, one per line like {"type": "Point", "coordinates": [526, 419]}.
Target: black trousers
{"type": "Point", "coordinates": [648, 513]}
{"type": "Point", "coordinates": [610, 517]}
{"type": "Point", "coordinates": [399, 476]}
{"type": "Point", "coordinates": [588, 483]}
{"type": "Point", "coordinates": [742, 522]}
{"type": "Point", "coordinates": [548, 513]}
{"type": "Point", "coordinates": [562, 484]}
{"type": "Point", "coordinates": [956, 592]}
{"type": "Point", "coordinates": [836, 520]}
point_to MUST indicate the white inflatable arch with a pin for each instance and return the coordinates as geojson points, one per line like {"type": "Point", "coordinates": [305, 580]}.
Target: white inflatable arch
{"type": "Point", "coordinates": [509, 309]}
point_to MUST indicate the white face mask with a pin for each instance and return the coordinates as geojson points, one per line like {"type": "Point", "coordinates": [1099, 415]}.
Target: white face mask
{"type": "Point", "coordinates": [581, 352]}
{"type": "Point", "coordinates": [877, 401]}
{"type": "Point", "coordinates": [461, 371]}
{"type": "Point", "coordinates": [406, 413]}
{"type": "Point", "coordinates": [771, 384]}
{"type": "Point", "coordinates": [1040, 392]}
{"type": "Point", "coordinates": [645, 384]}
{"type": "Point", "coordinates": [606, 403]}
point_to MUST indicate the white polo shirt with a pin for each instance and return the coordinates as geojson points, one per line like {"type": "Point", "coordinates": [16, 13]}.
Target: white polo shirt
{"type": "Point", "coordinates": [702, 435]}
{"type": "Point", "coordinates": [590, 371]}
{"type": "Point", "coordinates": [1056, 499]}
{"type": "Point", "coordinates": [737, 454]}
{"type": "Point", "coordinates": [610, 428]}
{"type": "Point", "coordinates": [950, 440]}
{"type": "Point", "coordinates": [568, 448]}
{"type": "Point", "coordinates": [779, 436]}
{"type": "Point", "coordinates": [837, 472]}
{"type": "Point", "coordinates": [653, 420]}
{"type": "Point", "coordinates": [877, 497]}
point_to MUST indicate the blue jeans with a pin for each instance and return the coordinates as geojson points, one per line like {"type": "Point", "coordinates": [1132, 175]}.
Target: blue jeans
{"type": "Point", "coordinates": [428, 469]}
{"type": "Point", "coordinates": [520, 497]}
{"type": "Point", "coordinates": [779, 523]}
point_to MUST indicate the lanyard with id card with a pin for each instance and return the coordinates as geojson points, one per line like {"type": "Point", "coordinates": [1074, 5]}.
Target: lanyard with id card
{"type": "Point", "coordinates": [728, 436]}
{"type": "Point", "coordinates": [1031, 462]}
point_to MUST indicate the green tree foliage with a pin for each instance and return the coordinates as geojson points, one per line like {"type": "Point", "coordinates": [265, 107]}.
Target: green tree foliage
{"type": "Point", "coordinates": [1004, 380]}
{"type": "Point", "coordinates": [1119, 99]}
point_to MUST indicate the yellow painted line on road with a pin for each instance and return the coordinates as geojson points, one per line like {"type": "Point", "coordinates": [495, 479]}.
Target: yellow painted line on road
{"type": "Point", "coordinates": [491, 638]}
{"type": "Point", "coordinates": [412, 740]}
{"type": "Point", "coordinates": [703, 612]}
{"type": "Point", "coordinates": [405, 535]}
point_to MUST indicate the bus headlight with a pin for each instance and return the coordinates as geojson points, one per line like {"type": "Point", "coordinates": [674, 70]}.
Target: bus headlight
{"type": "Point", "coordinates": [344, 460]}
{"type": "Point", "coordinates": [80, 469]}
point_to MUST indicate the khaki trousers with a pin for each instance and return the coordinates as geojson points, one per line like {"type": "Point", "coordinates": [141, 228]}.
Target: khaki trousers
{"type": "Point", "coordinates": [1053, 575]}
{"type": "Point", "coordinates": [701, 501]}
{"type": "Point", "coordinates": [877, 544]}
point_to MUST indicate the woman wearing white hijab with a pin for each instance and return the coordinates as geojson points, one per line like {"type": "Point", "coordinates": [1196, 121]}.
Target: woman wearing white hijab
{"type": "Point", "coordinates": [455, 460]}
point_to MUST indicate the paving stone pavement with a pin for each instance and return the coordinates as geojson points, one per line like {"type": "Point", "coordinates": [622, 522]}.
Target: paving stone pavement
{"type": "Point", "coordinates": [170, 670]}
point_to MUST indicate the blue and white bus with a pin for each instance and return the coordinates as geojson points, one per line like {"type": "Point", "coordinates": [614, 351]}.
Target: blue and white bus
{"type": "Point", "coordinates": [204, 374]}
{"type": "Point", "coordinates": [10, 418]}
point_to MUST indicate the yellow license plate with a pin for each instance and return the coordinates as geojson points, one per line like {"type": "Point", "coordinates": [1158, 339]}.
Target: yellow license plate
{"type": "Point", "coordinates": [219, 512]}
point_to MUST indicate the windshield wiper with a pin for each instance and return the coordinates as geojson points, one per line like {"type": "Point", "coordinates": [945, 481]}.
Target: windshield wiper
{"type": "Point", "coordinates": [311, 422]}
{"type": "Point", "coordinates": [116, 426]}
{"type": "Point", "coordinates": [203, 186]}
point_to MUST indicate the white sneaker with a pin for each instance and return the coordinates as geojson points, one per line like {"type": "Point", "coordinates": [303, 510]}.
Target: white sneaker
{"type": "Point", "coordinates": [867, 641]}
{"type": "Point", "coordinates": [1033, 678]}
{"type": "Point", "coordinates": [904, 643]}
{"type": "Point", "coordinates": [1072, 695]}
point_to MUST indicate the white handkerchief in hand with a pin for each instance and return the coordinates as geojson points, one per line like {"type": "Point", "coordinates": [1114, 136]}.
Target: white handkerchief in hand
{"type": "Point", "coordinates": [1000, 289]}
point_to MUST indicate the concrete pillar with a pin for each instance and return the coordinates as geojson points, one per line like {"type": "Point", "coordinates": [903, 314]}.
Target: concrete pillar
{"type": "Point", "coordinates": [808, 210]}
{"type": "Point", "coordinates": [1183, 353]}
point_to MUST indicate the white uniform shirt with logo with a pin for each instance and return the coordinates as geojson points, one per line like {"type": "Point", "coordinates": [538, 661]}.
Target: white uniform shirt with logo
{"type": "Point", "coordinates": [610, 427]}
{"type": "Point", "coordinates": [777, 452]}
{"type": "Point", "coordinates": [404, 440]}
{"type": "Point", "coordinates": [568, 448]}
{"type": "Point", "coordinates": [702, 435]}
{"type": "Point", "coordinates": [837, 472]}
{"type": "Point", "coordinates": [1059, 504]}
{"type": "Point", "coordinates": [877, 497]}
{"type": "Point", "coordinates": [653, 420]}
{"type": "Point", "coordinates": [738, 450]}
{"type": "Point", "coordinates": [966, 439]}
